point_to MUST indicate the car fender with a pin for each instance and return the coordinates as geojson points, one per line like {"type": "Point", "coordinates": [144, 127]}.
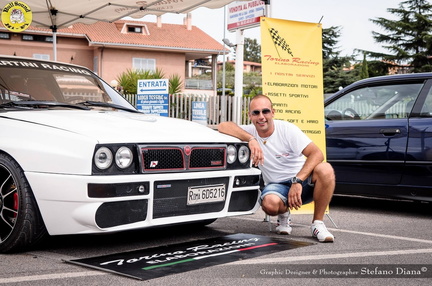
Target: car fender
{"type": "Point", "coordinates": [40, 148]}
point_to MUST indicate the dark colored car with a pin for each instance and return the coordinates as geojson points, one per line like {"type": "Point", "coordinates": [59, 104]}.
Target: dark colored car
{"type": "Point", "coordinates": [379, 137]}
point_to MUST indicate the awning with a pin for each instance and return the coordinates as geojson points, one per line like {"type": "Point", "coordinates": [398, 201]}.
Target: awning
{"type": "Point", "coordinates": [56, 14]}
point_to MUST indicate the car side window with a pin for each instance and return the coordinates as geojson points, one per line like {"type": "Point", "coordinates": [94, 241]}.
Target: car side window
{"type": "Point", "coordinates": [426, 110]}
{"type": "Point", "coordinates": [374, 102]}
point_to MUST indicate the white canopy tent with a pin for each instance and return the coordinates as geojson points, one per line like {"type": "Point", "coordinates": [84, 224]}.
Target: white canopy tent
{"type": "Point", "coordinates": [55, 14]}
{"type": "Point", "coordinates": [61, 13]}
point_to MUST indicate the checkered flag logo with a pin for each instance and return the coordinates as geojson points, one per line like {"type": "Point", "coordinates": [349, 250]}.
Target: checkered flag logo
{"type": "Point", "coordinates": [279, 41]}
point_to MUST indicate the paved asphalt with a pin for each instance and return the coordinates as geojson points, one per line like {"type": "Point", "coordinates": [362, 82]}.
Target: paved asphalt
{"type": "Point", "coordinates": [378, 242]}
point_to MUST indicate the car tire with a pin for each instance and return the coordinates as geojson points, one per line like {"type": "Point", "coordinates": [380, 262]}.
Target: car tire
{"type": "Point", "coordinates": [21, 225]}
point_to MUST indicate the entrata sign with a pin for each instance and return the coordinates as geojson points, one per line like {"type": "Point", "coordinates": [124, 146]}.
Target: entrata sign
{"type": "Point", "coordinates": [153, 96]}
{"type": "Point", "coordinates": [245, 14]}
{"type": "Point", "coordinates": [165, 260]}
{"type": "Point", "coordinates": [16, 16]}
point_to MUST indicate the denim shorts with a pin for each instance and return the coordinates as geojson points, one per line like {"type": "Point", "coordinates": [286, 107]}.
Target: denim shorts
{"type": "Point", "coordinates": [281, 189]}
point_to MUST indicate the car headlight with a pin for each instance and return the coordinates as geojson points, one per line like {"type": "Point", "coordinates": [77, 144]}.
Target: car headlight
{"type": "Point", "coordinates": [243, 154]}
{"type": "Point", "coordinates": [123, 157]}
{"type": "Point", "coordinates": [103, 158]}
{"type": "Point", "coordinates": [231, 154]}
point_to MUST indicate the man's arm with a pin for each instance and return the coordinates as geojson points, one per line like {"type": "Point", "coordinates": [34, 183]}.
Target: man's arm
{"type": "Point", "coordinates": [233, 129]}
{"type": "Point", "coordinates": [230, 128]}
{"type": "Point", "coordinates": [314, 156]}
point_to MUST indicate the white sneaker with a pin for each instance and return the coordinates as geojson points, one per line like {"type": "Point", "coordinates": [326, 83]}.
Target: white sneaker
{"type": "Point", "coordinates": [320, 231]}
{"type": "Point", "coordinates": [283, 225]}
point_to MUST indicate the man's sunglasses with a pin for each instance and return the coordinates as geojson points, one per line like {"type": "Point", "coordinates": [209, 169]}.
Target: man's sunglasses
{"type": "Point", "coordinates": [257, 112]}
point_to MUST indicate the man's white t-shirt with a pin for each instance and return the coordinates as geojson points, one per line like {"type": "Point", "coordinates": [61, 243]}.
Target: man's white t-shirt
{"type": "Point", "coordinates": [283, 156]}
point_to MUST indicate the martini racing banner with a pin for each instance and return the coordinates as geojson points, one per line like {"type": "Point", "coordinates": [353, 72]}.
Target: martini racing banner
{"type": "Point", "coordinates": [293, 74]}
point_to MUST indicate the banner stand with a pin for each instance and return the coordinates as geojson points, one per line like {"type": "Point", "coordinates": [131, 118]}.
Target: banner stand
{"type": "Point", "coordinates": [292, 76]}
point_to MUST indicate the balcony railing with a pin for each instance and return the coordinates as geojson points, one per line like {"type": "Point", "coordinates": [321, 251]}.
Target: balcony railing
{"type": "Point", "coordinates": [204, 84]}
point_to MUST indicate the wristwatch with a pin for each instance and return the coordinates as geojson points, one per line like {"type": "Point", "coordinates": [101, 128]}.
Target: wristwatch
{"type": "Point", "coordinates": [295, 180]}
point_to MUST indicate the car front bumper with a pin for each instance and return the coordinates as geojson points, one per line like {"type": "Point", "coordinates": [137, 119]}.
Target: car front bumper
{"type": "Point", "coordinates": [138, 201]}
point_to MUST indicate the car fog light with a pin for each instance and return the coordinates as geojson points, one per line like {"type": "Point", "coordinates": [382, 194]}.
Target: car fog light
{"type": "Point", "coordinates": [141, 189]}
{"type": "Point", "coordinates": [243, 154]}
{"type": "Point", "coordinates": [231, 154]}
{"type": "Point", "coordinates": [123, 157]}
{"type": "Point", "coordinates": [103, 158]}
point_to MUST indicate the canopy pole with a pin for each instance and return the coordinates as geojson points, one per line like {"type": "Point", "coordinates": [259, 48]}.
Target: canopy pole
{"type": "Point", "coordinates": [53, 16]}
{"type": "Point", "coordinates": [55, 45]}
{"type": "Point", "coordinates": [238, 89]}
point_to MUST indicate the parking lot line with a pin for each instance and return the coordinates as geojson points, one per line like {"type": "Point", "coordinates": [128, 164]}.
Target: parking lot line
{"type": "Point", "coordinates": [333, 256]}
{"type": "Point", "coordinates": [382, 235]}
{"type": "Point", "coordinates": [50, 276]}
{"type": "Point", "coordinates": [356, 232]}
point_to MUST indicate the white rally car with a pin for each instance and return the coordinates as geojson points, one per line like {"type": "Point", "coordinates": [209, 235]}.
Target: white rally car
{"type": "Point", "coordinates": [77, 158]}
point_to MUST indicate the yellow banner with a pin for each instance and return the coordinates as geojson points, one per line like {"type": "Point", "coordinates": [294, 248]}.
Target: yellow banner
{"type": "Point", "coordinates": [291, 56]}
{"type": "Point", "coordinates": [292, 76]}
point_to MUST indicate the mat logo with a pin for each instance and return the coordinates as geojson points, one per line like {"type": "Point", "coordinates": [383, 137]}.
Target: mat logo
{"type": "Point", "coordinates": [153, 164]}
{"type": "Point", "coordinates": [194, 252]}
{"type": "Point", "coordinates": [164, 260]}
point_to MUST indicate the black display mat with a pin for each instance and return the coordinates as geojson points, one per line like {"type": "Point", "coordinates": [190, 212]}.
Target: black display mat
{"type": "Point", "coordinates": [177, 258]}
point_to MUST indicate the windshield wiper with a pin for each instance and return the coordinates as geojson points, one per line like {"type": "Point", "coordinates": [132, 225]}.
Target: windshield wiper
{"type": "Point", "coordinates": [40, 104]}
{"type": "Point", "coordinates": [106, 104]}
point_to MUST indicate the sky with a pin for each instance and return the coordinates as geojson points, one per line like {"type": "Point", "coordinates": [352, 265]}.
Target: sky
{"type": "Point", "coordinates": [352, 16]}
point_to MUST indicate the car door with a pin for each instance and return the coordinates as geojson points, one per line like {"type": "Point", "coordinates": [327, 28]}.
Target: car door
{"type": "Point", "coordinates": [418, 171]}
{"type": "Point", "coordinates": [367, 132]}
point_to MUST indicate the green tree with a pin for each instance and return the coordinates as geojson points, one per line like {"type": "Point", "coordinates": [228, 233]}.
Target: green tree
{"type": "Point", "coordinates": [408, 39]}
{"type": "Point", "coordinates": [128, 80]}
{"type": "Point", "coordinates": [175, 84]}
{"type": "Point", "coordinates": [364, 68]}
{"type": "Point", "coordinates": [377, 68]}
{"type": "Point", "coordinates": [252, 50]}
{"type": "Point", "coordinates": [337, 70]}
{"type": "Point", "coordinates": [330, 38]}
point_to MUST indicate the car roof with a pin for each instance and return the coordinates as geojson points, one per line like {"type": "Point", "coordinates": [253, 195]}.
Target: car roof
{"type": "Point", "coordinates": [20, 58]}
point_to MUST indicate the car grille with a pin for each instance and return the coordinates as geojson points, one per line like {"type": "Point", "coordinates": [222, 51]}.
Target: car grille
{"type": "Point", "coordinates": [182, 158]}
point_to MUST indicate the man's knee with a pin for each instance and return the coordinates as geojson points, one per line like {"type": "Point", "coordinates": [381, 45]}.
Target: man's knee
{"type": "Point", "coordinates": [324, 171]}
{"type": "Point", "coordinates": [270, 204]}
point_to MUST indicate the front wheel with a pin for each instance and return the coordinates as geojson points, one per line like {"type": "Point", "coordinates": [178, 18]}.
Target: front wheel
{"type": "Point", "coordinates": [21, 224]}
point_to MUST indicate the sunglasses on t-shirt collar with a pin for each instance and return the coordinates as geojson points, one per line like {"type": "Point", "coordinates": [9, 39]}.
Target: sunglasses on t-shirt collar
{"type": "Point", "coordinates": [257, 112]}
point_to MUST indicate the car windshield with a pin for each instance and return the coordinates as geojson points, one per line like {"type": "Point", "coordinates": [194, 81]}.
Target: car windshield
{"type": "Point", "coordinates": [33, 82]}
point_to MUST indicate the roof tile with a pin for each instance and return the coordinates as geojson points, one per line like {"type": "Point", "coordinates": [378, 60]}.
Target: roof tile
{"type": "Point", "coordinates": [173, 36]}
{"type": "Point", "coordinates": [168, 35]}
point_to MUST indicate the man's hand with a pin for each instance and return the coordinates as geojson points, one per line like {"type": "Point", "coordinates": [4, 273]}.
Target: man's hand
{"type": "Point", "coordinates": [294, 196]}
{"type": "Point", "coordinates": [257, 156]}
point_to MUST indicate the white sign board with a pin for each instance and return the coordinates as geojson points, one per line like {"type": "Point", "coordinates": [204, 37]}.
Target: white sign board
{"type": "Point", "coordinates": [153, 96]}
{"type": "Point", "coordinates": [199, 112]}
{"type": "Point", "coordinates": [245, 14]}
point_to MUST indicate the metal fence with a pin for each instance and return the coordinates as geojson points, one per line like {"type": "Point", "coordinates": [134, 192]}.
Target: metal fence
{"type": "Point", "coordinates": [219, 108]}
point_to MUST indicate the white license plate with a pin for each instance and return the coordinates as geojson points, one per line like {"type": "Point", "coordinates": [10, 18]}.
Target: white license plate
{"type": "Point", "coordinates": [206, 194]}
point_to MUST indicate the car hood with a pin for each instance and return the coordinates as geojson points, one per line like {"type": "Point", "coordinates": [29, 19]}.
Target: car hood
{"type": "Point", "coordinates": [119, 126]}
